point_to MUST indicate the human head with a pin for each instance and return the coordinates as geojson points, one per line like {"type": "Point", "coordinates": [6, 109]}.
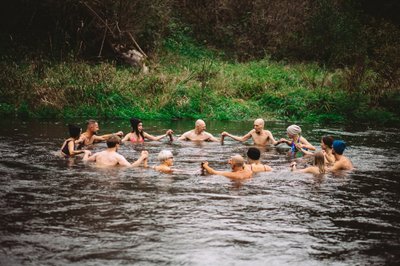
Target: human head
{"type": "Point", "coordinates": [200, 125]}
{"type": "Point", "coordinates": [319, 161]}
{"type": "Point", "coordinates": [165, 155]}
{"type": "Point", "coordinates": [92, 125]}
{"type": "Point", "coordinates": [113, 141]}
{"type": "Point", "coordinates": [326, 142]}
{"type": "Point", "coordinates": [253, 154]}
{"type": "Point", "coordinates": [339, 146]}
{"type": "Point", "coordinates": [319, 158]}
{"type": "Point", "coordinates": [236, 161]}
{"type": "Point", "coordinates": [293, 130]}
{"type": "Point", "coordinates": [74, 131]}
{"type": "Point", "coordinates": [135, 124]}
{"type": "Point", "coordinates": [258, 125]}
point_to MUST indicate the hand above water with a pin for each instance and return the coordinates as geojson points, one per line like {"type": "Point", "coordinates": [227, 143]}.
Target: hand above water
{"type": "Point", "coordinates": [120, 134]}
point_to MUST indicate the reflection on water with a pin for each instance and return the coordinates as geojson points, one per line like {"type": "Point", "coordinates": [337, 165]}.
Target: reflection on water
{"type": "Point", "coordinates": [57, 211]}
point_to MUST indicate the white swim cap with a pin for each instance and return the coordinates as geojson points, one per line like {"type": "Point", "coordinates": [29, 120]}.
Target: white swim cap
{"type": "Point", "coordinates": [293, 130]}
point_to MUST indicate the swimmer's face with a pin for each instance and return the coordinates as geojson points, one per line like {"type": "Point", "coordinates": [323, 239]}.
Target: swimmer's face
{"type": "Point", "coordinates": [140, 127]}
{"type": "Point", "coordinates": [201, 126]}
{"type": "Point", "coordinates": [94, 127]}
{"type": "Point", "coordinates": [170, 161]}
{"type": "Point", "coordinates": [258, 126]}
{"type": "Point", "coordinates": [290, 135]}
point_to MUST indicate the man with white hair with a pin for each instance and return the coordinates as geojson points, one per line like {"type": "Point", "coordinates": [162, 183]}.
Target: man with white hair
{"type": "Point", "coordinates": [259, 135]}
{"type": "Point", "coordinates": [239, 171]}
{"type": "Point", "coordinates": [198, 133]}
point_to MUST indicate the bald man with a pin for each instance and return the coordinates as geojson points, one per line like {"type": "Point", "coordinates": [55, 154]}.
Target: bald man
{"type": "Point", "coordinates": [259, 135]}
{"type": "Point", "coordinates": [198, 133]}
{"type": "Point", "coordinates": [239, 171]}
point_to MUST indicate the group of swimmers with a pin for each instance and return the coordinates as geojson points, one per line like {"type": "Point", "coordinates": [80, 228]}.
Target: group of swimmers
{"type": "Point", "coordinates": [330, 158]}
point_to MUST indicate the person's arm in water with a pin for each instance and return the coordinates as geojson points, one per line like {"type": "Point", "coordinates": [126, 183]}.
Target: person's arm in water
{"type": "Point", "coordinates": [123, 162]}
{"type": "Point", "coordinates": [88, 158]}
{"type": "Point", "coordinates": [143, 156]}
{"type": "Point", "coordinates": [271, 137]}
{"type": "Point", "coordinates": [283, 140]}
{"type": "Point", "coordinates": [237, 138]}
{"type": "Point", "coordinates": [306, 145]}
{"type": "Point", "coordinates": [184, 136]}
{"type": "Point", "coordinates": [127, 137]}
{"type": "Point", "coordinates": [107, 136]}
{"type": "Point", "coordinates": [230, 175]}
{"type": "Point", "coordinates": [72, 151]}
{"type": "Point", "coordinates": [81, 140]}
{"type": "Point", "coordinates": [151, 137]}
{"type": "Point", "coordinates": [308, 170]}
{"type": "Point", "coordinates": [301, 149]}
{"type": "Point", "coordinates": [211, 138]}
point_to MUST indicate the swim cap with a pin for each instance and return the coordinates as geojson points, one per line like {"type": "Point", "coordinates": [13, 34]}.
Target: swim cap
{"type": "Point", "coordinates": [339, 146]}
{"type": "Point", "coordinates": [135, 122]}
{"type": "Point", "coordinates": [293, 130]}
{"type": "Point", "coordinates": [253, 153]}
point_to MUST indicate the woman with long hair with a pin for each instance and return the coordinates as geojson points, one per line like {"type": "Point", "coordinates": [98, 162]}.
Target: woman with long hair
{"type": "Point", "coordinates": [68, 149]}
{"type": "Point", "coordinates": [317, 168]}
{"type": "Point", "coordinates": [137, 135]}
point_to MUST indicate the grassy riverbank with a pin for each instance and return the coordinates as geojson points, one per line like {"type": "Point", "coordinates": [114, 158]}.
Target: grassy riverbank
{"type": "Point", "coordinates": [189, 81]}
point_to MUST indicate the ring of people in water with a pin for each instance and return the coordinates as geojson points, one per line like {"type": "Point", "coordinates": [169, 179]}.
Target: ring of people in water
{"type": "Point", "coordinates": [329, 159]}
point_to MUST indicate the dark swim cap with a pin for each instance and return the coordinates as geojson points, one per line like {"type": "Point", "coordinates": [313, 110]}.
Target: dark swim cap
{"type": "Point", "coordinates": [253, 153]}
{"type": "Point", "coordinates": [74, 131]}
{"type": "Point", "coordinates": [135, 122]}
{"type": "Point", "coordinates": [339, 146]}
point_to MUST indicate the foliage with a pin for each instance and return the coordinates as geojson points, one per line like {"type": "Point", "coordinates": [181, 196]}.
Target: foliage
{"type": "Point", "coordinates": [218, 59]}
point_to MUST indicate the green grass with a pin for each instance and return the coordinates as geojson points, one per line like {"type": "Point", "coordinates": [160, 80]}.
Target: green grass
{"type": "Point", "coordinates": [186, 81]}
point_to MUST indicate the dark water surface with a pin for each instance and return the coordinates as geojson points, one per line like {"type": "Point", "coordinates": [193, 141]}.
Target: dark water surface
{"type": "Point", "coordinates": [55, 211]}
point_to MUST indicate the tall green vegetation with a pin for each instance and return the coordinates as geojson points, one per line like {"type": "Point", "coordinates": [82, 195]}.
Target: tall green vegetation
{"type": "Point", "coordinates": [313, 60]}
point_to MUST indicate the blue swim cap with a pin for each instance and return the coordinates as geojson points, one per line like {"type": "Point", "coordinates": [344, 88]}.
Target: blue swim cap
{"type": "Point", "coordinates": [339, 146]}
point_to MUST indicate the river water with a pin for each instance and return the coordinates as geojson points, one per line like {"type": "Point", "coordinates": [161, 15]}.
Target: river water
{"type": "Point", "coordinates": [55, 211]}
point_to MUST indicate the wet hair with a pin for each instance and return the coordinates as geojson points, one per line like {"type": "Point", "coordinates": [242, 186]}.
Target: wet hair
{"type": "Point", "coordinates": [328, 141]}
{"type": "Point", "coordinates": [319, 161]}
{"type": "Point", "coordinates": [339, 146]}
{"type": "Point", "coordinates": [164, 155]}
{"type": "Point", "coordinates": [253, 153]}
{"type": "Point", "coordinates": [90, 122]}
{"type": "Point", "coordinates": [237, 160]}
{"type": "Point", "coordinates": [135, 124]}
{"type": "Point", "coordinates": [113, 141]}
{"type": "Point", "coordinates": [74, 131]}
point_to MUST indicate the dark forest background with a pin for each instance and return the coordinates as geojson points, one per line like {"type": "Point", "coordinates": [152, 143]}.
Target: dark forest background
{"type": "Point", "coordinates": [359, 36]}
